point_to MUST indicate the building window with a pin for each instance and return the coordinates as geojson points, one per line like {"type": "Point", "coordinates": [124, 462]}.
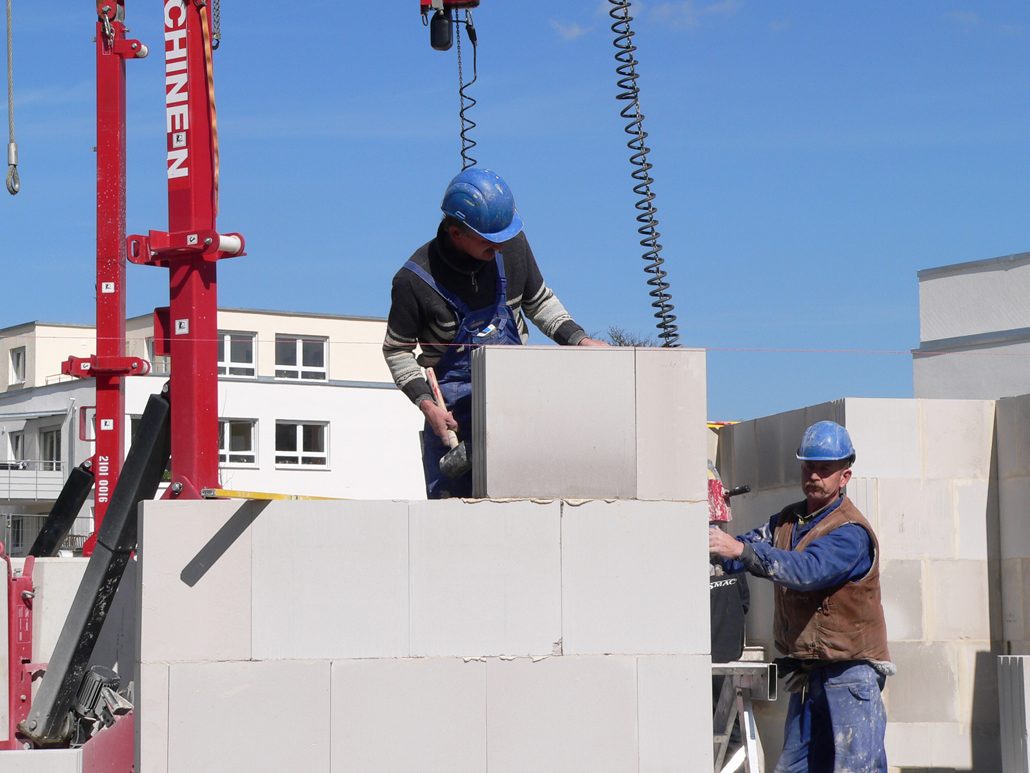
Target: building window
{"type": "Point", "coordinates": [50, 449]}
{"type": "Point", "coordinates": [236, 354]}
{"type": "Point", "coordinates": [236, 441]}
{"type": "Point", "coordinates": [301, 359]}
{"type": "Point", "coordinates": [17, 526]}
{"type": "Point", "coordinates": [17, 366]}
{"type": "Point", "coordinates": [16, 446]}
{"type": "Point", "coordinates": [160, 364]}
{"type": "Point", "coordinates": [301, 443]}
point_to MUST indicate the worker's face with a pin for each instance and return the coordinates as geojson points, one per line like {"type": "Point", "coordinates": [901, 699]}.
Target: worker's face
{"type": "Point", "coordinates": [473, 245]}
{"type": "Point", "coordinates": [822, 481]}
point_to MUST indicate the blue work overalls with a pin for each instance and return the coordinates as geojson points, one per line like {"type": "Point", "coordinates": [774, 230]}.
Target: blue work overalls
{"type": "Point", "coordinates": [494, 324]}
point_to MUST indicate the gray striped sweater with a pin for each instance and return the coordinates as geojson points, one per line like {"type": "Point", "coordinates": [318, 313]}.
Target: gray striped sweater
{"type": "Point", "coordinates": [420, 317]}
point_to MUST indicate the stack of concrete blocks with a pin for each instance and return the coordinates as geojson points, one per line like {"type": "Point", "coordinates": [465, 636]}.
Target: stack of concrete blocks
{"type": "Point", "coordinates": [925, 481]}
{"type": "Point", "coordinates": [530, 633]}
{"type": "Point", "coordinates": [974, 329]}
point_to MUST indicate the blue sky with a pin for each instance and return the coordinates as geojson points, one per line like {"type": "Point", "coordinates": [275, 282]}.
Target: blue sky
{"type": "Point", "coordinates": [809, 158]}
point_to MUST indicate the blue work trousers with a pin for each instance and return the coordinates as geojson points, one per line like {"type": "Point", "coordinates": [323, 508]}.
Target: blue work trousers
{"type": "Point", "coordinates": [837, 725]}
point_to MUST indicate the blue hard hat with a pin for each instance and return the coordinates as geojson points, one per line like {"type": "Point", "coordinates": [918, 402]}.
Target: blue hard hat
{"type": "Point", "coordinates": [482, 201]}
{"type": "Point", "coordinates": [826, 441]}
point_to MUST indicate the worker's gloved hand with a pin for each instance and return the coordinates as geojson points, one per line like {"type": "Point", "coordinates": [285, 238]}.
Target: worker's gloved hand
{"type": "Point", "coordinates": [439, 420]}
{"type": "Point", "coordinates": [793, 673]}
{"type": "Point", "coordinates": [796, 682]}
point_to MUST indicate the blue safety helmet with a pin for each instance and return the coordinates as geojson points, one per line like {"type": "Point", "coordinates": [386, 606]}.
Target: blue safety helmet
{"type": "Point", "coordinates": [482, 201]}
{"type": "Point", "coordinates": [826, 441]}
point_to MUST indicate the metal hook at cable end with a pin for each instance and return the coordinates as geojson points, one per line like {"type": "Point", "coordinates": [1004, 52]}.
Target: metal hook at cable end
{"type": "Point", "coordinates": [13, 181]}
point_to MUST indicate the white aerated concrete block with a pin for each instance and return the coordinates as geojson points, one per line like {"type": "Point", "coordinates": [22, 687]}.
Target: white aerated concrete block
{"type": "Point", "coordinates": [258, 717]}
{"type": "Point", "coordinates": [540, 433]}
{"type": "Point", "coordinates": [195, 599]}
{"type": "Point", "coordinates": [886, 435]}
{"type": "Point", "coordinates": [1013, 422]}
{"type": "Point", "coordinates": [901, 588]}
{"type": "Point", "coordinates": [56, 581]}
{"type": "Point", "coordinates": [638, 432]}
{"type": "Point", "coordinates": [864, 493]}
{"type": "Point", "coordinates": [929, 746]}
{"type": "Point", "coordinates": [151, 715]}
{"type": "Point", "coordinates": [427, 715]}
{"type": "Point", "coordinates": [916, 518]}
{"type": "Point", "coordinates": [1013, 595]}
{"type": "Point", "coordinates": [41, 761]}
{"type": "Point", "coordinates": [631, 574]}
{"type": "Point", "coordinates": [777, 439]}
{"type": "Point", "coordinates": [562, 714]}
{"type": "Point", "coordinates": [671, 403]}
{"type": "Point", "coordinates": [674, 712]}
{"type": "Point", "coordinates": [973, 514]}
{"type": "Point", "coordinates": [1014, 517]}
{"type": "Point", "coordinates": [957, 600]}
{"type": "Point", "coordinates": [485, 578]}
{"type": "Point", "coordinates": [331, 580]}
{"type": "Point", "coordinates": [958, 436]}
{"type": "Point", "coordinates": [926, 687]}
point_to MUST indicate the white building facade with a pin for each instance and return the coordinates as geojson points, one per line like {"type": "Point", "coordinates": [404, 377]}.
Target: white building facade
{"type": "Point", "coordinates": [306, 407]}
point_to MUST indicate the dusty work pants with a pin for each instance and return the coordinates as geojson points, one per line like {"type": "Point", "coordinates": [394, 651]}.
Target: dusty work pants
{"type": "Point", "coordinates": [839, 725]}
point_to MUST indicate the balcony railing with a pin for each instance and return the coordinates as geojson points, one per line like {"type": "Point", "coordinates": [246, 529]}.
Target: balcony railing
{"type": "Point", "coordinates": [31, 479]}
{"type": "Point", "coordinates": [19, 531]}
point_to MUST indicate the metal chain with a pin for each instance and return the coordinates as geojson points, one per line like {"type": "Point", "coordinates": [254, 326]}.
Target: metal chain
{"type": "Point", "coordinates": [13, 181]}
{"type": "Point", "coordinates": [461, 100]}
{"type": "Point", "coordinates": [216, 23]}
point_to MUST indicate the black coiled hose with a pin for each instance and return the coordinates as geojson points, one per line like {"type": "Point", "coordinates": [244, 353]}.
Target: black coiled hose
{"type": "Point", "coordinates": [630, 93]}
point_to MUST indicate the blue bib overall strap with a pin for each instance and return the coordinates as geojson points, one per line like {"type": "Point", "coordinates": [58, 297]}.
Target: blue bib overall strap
{"type": "Point", "coordinates": [494, 324]}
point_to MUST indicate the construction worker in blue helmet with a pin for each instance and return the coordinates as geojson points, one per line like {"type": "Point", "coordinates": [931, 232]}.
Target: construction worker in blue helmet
{"type": "Point", "coordinates": [823, 558]}
{"type": "Point", "coordinates": [472, 284]}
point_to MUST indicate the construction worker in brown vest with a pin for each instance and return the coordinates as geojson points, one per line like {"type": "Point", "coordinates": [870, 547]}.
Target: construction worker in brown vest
{"type": "Point", "coordinates": [823, 557]}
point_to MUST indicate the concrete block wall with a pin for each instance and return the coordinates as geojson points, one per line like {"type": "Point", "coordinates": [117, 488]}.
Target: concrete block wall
{"type": "Point", "coordinates": [612, 423]}
{"type": "Point", "coordinates": [431, 636]}
{"type": "Point", "coordinates": [1014, 498]}
{"type": "Point", "coordinates": [925, 479]}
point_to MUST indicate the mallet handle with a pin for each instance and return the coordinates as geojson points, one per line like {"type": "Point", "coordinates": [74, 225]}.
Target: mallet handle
{"type": "Point", "coordinates": [452, 438]}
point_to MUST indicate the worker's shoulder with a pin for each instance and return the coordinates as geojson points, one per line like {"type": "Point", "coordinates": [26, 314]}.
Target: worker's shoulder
{"type": "Point", "coordinates": [420, 258]}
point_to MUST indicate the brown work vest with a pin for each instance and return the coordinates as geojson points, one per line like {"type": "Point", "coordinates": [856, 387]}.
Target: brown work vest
{"type": "Point", "coordinates": [841, 623]}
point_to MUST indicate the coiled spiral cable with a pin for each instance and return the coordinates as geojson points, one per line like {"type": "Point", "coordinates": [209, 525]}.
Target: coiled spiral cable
{"type": "Point", "coordinates": [630, 93]}
{"type": "Point", "coordinates": [467, 101]}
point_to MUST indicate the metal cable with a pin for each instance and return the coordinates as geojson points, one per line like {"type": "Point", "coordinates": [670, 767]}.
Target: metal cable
{"type": "Point", "coordinates": [630, 92]}
{"type": "Point", "coordinates": [13, 180]}
{"type": "Point", "coordinates": [467, 101]}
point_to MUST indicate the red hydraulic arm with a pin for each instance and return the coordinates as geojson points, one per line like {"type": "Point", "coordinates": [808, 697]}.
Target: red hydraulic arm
{"type": "Point", "coordinates": [190, 248]}
{"type": "Point", "coordinates": [109, 365]}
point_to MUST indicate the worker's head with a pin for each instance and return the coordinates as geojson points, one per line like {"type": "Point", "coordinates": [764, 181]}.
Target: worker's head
{"type": "Point", "coordinates": [826, 454]}
{"type": "Point", "coordinates": [479, 212]}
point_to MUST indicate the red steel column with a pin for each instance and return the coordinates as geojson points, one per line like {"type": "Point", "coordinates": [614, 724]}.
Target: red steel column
{"type": "Point", "coordinates": [110, 263]}
{"type": "Point", "coordinates": [109, 365]}
{"type": "Point", "coordinates": [193, 279]}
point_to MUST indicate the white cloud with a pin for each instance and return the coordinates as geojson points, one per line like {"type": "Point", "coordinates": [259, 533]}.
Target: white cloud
{"type": "Point", "coordinates": [568, 30]}
{"type": "Point", "coordinates": [688, 13]}
{"type": "Point", "coordinates": [964, 18]}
